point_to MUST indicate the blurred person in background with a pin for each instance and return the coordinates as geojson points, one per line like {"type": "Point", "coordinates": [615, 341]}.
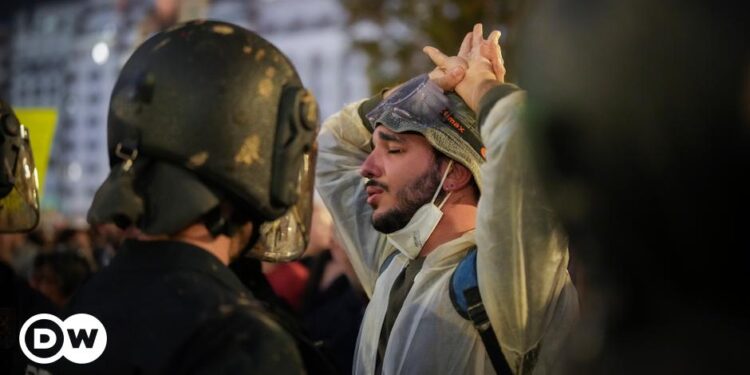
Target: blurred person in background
{"type": "Point", "coordinates": [19, 251]}
{"type": "Point", "coordinates": [401, 176]}
{"type": "Point", "coordinates": [289, 280]}
{"type": "Point", "coordinates": [318, 295]}
{"type": "Point", "coordinates": [58, 275]}
{"type": "Point", "coordinates": [200, 177]}
{"type": "Point", "coordinates": [639, 119]}
{"type": "Point", "coordinates": [106, 238]}
{"type": "Point", "coordinates": [281, 288]}
{"type": "Point", "coordinates": [333, 302]}
{"type": "Point", "coordinates": [24, 249]}
{"type": "Point", "coordinates": [76, 237]}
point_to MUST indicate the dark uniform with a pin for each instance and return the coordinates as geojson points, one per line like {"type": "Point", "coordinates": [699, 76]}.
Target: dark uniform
{"type": "Point", "coordinates": [19, 212]}
{"type": "Point", "coordinates": [18, 302]}
{"type": "Point", "coordinates": [169, 307]}
{"type": "Point", "coordinates": [210, 131]}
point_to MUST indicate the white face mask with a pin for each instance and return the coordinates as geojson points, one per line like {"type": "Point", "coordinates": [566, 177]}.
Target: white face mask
{"type": "Point", "coordinates": [410, 239]}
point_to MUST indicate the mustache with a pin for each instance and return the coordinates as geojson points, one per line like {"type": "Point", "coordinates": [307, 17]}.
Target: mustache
{"type": "Point", "coordinates": [376, 183]}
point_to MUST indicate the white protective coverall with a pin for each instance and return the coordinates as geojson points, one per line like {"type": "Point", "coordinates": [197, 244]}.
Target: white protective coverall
{"type": "Point", "coordinates": [522, 260]}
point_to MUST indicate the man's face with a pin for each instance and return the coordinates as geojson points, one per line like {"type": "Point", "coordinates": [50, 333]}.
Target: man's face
{"type": "Point", "coordinates": [404, 175]}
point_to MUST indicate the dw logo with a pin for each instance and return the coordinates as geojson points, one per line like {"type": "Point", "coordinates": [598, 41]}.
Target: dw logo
{"type": "Point", "coordinates": [81, 338]}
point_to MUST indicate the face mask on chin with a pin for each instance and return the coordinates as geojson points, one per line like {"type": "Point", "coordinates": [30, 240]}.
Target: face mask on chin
{"type": "Point", "coordinates": [410, 239]}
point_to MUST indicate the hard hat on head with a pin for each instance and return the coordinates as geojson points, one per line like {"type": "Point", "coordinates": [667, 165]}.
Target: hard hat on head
{"type": "Point", "coordinates": [204, 113]}
{"type": "Point", "coordinates": [19, 191]}
{"type": "Point", "coordinates": [449, 125]}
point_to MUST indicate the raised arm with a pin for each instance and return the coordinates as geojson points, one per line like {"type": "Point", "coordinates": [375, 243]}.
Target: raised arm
{"type": "Point", "coordinates": [343, 144]}
{"type": "Point", "coordinates": [522, 254]}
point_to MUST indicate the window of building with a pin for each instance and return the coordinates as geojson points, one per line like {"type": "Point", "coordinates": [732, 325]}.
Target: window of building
{"type": "Point", "coordinates": [92, 122]}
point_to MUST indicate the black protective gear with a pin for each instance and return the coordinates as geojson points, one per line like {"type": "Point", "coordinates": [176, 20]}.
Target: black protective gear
{"type": "Point", "coordinates": [218, 109]}
{"type": "Point", "coordinates": [19, 190]}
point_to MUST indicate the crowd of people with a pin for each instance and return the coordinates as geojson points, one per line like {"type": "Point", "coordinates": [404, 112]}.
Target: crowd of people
{"type": "Point", "coordinates": [319, 291]}
{"type": "Point", "coordinates": [57, 260]}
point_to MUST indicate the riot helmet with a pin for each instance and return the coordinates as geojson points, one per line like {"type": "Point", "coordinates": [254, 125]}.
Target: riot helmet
{"type": "Point", "coordinates": [19, 186]}
{"type": "Point", "coordinates": [204, 113]}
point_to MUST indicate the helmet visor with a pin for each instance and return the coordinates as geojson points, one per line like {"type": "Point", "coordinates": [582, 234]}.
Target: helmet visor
{"type": "Point", "coordinates": [286, 238]}
{"type": "Point", "coordinates": [19, 193]}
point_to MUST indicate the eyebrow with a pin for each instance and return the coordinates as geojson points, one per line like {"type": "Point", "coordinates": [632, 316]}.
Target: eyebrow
{"type": "Point", "coordinates": [388, 138]}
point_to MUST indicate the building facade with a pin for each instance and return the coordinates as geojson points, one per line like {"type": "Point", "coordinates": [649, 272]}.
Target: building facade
{"type": "Point", "coordinates": [67, 55]}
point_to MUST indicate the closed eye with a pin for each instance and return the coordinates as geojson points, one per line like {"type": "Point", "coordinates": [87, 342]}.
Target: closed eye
{"type": "Point", "coordinates": [394, 151]}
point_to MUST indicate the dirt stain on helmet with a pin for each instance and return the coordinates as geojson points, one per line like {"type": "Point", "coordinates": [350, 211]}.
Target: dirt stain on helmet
{"type": "Point", "coordinates": [197, 160]}
{"type": "Point", "coordinates": [249, 152]}
{"type": "Point", "coordinates": [265, 87]}
{"type": "Point", "coordinates": [223, 29]}
{"type": "Point", "coordinates": [260, 54]}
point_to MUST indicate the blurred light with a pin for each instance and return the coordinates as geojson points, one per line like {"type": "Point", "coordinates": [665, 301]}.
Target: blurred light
{"type": "Point", "coordinates": [451, 11]}
{"type": "Point", "coordinates": [49, 24]}
{"type": "Point", "coordinates": [100, 53]}
{"type": "Point", "coordinates": [74, 171]}
{"type": "Point", "coordinates": [366, 31]}
{"type": "Point", "coordinates": [398, 29]}
{"type": "Point", "coordinates": [390, 67]}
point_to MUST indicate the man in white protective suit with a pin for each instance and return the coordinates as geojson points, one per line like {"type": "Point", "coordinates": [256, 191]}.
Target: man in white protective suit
{"type": "Point", "coordinates": [421, 205]}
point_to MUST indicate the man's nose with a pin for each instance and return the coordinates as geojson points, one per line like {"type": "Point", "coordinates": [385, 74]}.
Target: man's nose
{"type": "Point", "coordinates": [370, 167]}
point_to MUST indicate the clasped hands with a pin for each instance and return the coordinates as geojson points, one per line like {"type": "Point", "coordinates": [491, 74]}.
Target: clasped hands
{"type": "Point", "coordinates": [476, 68]}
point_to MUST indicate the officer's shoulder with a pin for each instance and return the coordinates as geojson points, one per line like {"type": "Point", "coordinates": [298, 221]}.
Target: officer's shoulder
{"type": "Point", "coordinates": [238, 337]}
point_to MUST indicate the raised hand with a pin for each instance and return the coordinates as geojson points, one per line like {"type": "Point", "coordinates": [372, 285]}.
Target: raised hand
{"type": "Point", "coordinates": [490, 49]}
{"type": "Point", "coordinates": [486, 68]}
{"type": "Point", "coordinates": [449, 70]}
{"type": "Point", "coordinates": [479, 64]}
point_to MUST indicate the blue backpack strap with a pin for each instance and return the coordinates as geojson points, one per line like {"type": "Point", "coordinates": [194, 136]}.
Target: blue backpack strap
{"type": "Point", "coordinates": [387, 261]}
{"type": "Point", "coordinates": [464, 293]}
{"type": "Point", "coordinates": [464, 277]}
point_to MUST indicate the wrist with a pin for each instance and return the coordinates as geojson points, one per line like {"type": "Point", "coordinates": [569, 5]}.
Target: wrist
{"type": "Point", "coordinates": [473, 91]}
{"type": "Point", "coordinates": [483, 88]}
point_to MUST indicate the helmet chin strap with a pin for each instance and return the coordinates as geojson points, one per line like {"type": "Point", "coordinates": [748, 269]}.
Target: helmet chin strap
{"type": "Point", "coordinates": [220, 221]}
{"type": "Point", "coordinates": [254, 237]}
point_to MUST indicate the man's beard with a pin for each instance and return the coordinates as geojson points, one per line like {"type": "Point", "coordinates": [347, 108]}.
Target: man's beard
{"type": "Point", "coordinates": [408, 201]}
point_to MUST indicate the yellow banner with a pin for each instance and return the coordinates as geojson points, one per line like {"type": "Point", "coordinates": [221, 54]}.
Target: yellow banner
{"type": "Point", "coordinates": [41, 123]}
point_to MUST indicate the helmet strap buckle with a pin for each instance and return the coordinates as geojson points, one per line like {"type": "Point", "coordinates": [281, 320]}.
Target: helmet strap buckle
{"type": "Point", "coordinates": [127, 154]}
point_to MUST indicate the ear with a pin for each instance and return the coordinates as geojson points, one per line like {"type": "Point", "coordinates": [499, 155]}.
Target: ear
{"type": "Point", "coordinates": [458, 178]}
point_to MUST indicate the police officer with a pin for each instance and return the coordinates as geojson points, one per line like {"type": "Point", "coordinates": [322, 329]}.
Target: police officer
{"type": "Point", "coordinates": [211, 141]}
{"type": "Point", "coordinates": [19, 213]}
